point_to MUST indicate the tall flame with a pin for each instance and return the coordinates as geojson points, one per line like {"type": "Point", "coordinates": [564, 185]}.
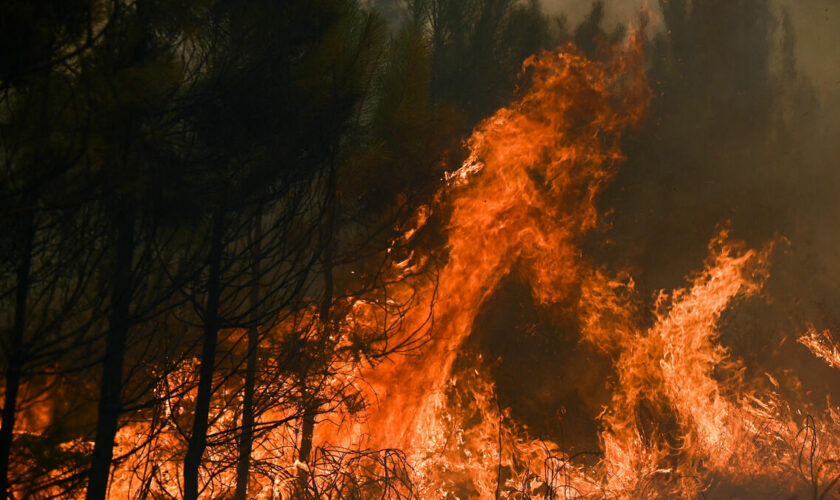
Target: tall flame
{"type": "Point", "coordinates": [525, 195]}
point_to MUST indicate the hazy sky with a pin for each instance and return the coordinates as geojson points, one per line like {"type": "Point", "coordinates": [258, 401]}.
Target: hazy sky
{"type": "Point", "coordinates": [817, 25]}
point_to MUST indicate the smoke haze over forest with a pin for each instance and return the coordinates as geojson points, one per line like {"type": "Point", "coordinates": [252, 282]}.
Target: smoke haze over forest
{"type": "Point", "coordinates": [815, 22]}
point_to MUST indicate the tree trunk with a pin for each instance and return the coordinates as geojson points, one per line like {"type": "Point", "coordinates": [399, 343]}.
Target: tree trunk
{"type": "Point", "coordinates": [311, 407]}
{"type": "Point", "coordinates": [306, 432]}
{"type": "Point", "coordinates": [310, 402]}
{"type": "Point", "coordinates": [110, 403]}
{"type": "Point", "coordinates": [246, 439]}
{"type": "Point", "coordinates": [198, 438]}
{"type": "Point", "coordinates": [15, 360]}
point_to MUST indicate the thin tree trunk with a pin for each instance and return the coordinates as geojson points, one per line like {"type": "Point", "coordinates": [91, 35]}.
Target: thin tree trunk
{"type": "Point", "coordinates": [110, 403]}
{"type": "Point", "coordinates": [306, 431]}
{"type": "Point", "coordinates": [198, 438]}
{"type": "Point", "coordinates": [15, 360]}
{"type": "Point", "coordinates": [312, 407]}
{"type": "Point", "coordinates": [246, 440]}
{"type": "Point", "coordinates": [310, 401]}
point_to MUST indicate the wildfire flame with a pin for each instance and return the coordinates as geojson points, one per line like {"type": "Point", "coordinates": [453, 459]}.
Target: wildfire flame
{"type": "Point", "coordinates": [525, 195]}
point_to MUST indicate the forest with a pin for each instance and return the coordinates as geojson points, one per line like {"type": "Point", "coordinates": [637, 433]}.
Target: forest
{"type": "Point", "coordinates": [299, 249]}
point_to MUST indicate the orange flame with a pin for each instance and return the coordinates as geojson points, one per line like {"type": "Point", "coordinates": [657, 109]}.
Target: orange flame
{"type": "Point", "coordinates": [525, 194]}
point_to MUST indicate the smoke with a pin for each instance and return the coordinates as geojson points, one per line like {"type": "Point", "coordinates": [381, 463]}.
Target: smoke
{"type": "Point", "coordinates": [816, 23]}
{"type": "Point", "coordinates": [617, 11]}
